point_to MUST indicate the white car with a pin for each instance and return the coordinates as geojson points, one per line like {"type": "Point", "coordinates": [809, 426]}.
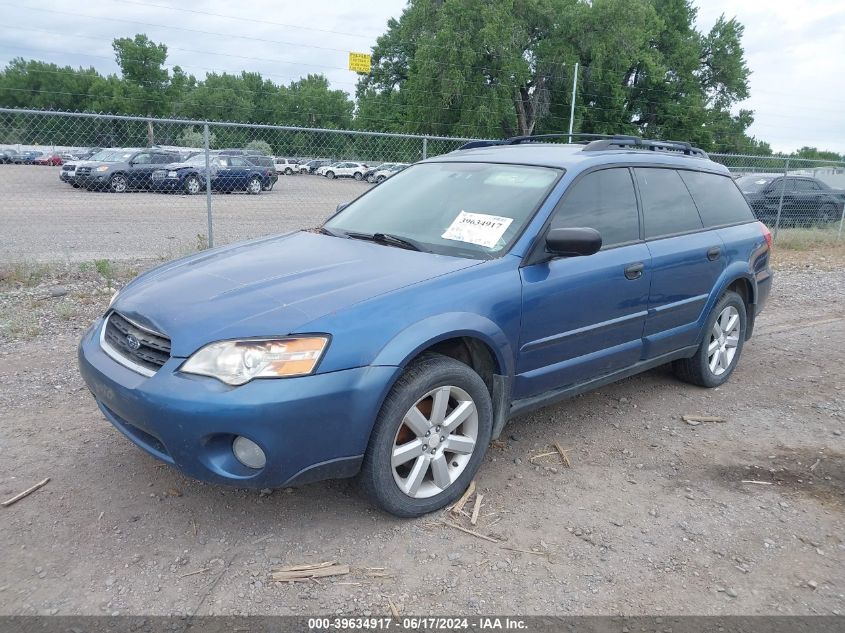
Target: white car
{"type": "Point", "coordinates": [285, 166]}
{"type": "Point", "coordinates": [381, 175]}
{"type": "Point", "coordinates": [344, 170]}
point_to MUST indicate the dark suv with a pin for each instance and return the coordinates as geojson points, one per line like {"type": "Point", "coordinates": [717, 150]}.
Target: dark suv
{"type": "Point", "coordinates": [122, 170]}
{"type": "Point", "coordinates": [803, 201]}
{"type": "Point", "coordinates": [395, 341]}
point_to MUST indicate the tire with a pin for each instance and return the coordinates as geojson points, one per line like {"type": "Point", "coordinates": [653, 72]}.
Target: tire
{"type": "Point", "coordinates": [330, 175]}
{"type": "Point", "coordinates": [269, 186]}
{"type": "Point", "coordinates": [697, 370]}
{"type": "Point", "coordinates": [358, 175]}
{"type": "Point", "coordinates": [118, 184]}
{"type": "Point", "coordinates": [254, 186]}
{"type": "Point", "coordinates": [371, 179]}
{"type": "Point", "coordinates": [288, 171]}
{"type": "Point", "coordinates": [380, 179]}
{"type": "Point", "coordinates": [193, 186]}
{"type": "Point", "coordinates": [827, 214]}
{"type": "Point", "coordinates": [468, 405]}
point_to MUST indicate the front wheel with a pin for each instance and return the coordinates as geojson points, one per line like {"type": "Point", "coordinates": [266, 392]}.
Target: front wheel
{"type": "Point", "coordinates": [827, 214]}
{"type": "Point", "coordinates": [118, 184]}
{"type": "Point", "coordinates": [192, 185]}
{"type": "Point", "coordinates": [288, 172]}
{"type": "Point", "coordinates": [330, 175]}
{"type": "Point", "coordinates": [358, 175]}
{"type": "Point", "coordinates": [254, 186]}
{"type": "Point", "coordinates": [429, 438]}
{"type": "Point", "coordinates": [721, 346]}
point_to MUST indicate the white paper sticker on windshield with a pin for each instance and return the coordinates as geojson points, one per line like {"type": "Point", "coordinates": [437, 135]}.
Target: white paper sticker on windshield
{"type": "Point", "coordinates": [477, 228]}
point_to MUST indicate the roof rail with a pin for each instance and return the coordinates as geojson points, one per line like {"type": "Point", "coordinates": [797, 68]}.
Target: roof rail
{"type": "Point", "coordinates": [598, 142]}
{"type": "Point", "coordinates": [635, 142]}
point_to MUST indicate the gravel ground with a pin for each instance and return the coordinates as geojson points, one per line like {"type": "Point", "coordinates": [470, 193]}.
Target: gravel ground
{"type": "Point", "coordinates": [652, 517]}
{"type": "Point", "coordinates": [46, 219]}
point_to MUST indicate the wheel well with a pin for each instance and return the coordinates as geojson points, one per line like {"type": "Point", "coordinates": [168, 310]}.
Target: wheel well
{"type": "Point", "coordinates": [743, 288]}
{"type": "Point", "coordinates": [469, 351]}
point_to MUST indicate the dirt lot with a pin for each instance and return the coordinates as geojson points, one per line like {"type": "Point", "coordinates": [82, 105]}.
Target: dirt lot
{"type": "Point", "coordinates": [43, 218]}
{"type": "Point", "coordinates": [654, 516]}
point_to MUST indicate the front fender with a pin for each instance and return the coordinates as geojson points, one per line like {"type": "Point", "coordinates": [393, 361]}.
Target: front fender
{"type": "Point", "coordinates": [408, 343]}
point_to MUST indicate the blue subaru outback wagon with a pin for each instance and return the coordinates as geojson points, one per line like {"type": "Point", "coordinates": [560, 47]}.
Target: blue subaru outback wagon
{"type": "Point", "coordinates": [395, 341]}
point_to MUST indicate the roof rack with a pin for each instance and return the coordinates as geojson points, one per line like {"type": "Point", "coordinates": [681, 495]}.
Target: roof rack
{"type": "Point", "coordinates": [598, 142]}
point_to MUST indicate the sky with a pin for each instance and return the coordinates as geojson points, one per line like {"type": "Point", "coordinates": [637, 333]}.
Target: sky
{"type": "Point", "coordinates": [795, 49]}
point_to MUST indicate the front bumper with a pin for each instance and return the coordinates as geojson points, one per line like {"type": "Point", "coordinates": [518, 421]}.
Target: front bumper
{"type": "Point", "coordinates": [92, 181]}
{"type": "Point", "coordinates": [310, 428]}
{"type": "Point", "coordinates": [167, 184]}
{"type": "Point", "coordinates": [67, 176]}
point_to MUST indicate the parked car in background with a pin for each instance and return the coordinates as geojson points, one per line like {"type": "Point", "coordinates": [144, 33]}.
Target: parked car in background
{"type": "Point", "coordinates": [50, 158]}
{"type": "Point", "coordinates": [345, 169]}
{"type": "Point", "coordinates": [380, 175]}
{"type": "Point", "coordinates": [227, 173]}
{"type": "Point", "coordinates": [803, 201]}
{"type": "Point", "coordinates": [119, 171]}
{"type": "Point", "coordinates": [25, 157]}
{"type": "Point", "coordinates": [311, 166]}
{"type": "Point", "coordinates": [265, 163]}
{"type": "Point", "coordinates": [233, 151]}
{"type": "Point", "coordinates": [287, 166]}
{"type": "Point", "coordinates": [369, 175]}
{"type": "Point", "coordinates": [87, 154]}
{"type": "Point", "coordinates": [394, 343]}
{"type": "Point", "coordinates": [7, 156]}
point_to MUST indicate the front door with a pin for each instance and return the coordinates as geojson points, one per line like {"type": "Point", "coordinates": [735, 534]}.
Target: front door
{"type": "Point", "coordinates": [583, 317]}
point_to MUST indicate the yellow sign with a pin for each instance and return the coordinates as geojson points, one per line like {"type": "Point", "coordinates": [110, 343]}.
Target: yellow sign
{"type": "Point", "coordinates": [360, 62]}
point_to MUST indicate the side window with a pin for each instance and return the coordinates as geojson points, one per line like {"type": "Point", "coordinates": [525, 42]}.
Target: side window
{"type": "Point", "coordinates": [161, 159]}
{"type": "Point", "coordinates": [667, 205]}
{"type": "Point", "coordinates": [237, 161]}
{"type": "Point", "coordinates": [603, 200]}
{"type": "Point", "coordinates": [141, 159]}
{"type": "Point", "coordinates": [718, 199]}
{"type": "Point", "coordinates": [805, 185]}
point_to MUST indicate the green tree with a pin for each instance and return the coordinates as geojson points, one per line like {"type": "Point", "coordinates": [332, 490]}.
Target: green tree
{"type": "Point", "coordinates": [145, 79]}
{"type": "Point", "coordinates": [261, 145]}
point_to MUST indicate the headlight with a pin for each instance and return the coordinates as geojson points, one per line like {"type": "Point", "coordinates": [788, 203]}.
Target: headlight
{"type": "Point", "coordinates": [238, 362]}
{"type": "Point", "coordinates": [172, 174]}
{"type": "Point", "coordinates": [102, 168]}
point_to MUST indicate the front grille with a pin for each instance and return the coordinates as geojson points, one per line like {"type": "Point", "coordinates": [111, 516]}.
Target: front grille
{"type": "Point", "coordinates": [139, 346]}
{"type": "Point", "coordinates": [68, 167]}
{"type": "Point", "coordinates": [83, 171]}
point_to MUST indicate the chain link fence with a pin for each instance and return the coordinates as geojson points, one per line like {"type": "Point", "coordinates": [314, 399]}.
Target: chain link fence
{"type": "Point", "coordinates": [80, 186]}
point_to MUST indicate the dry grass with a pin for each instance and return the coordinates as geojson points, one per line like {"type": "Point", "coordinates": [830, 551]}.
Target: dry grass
{"type": "Point", "coordinates": [809, 239]}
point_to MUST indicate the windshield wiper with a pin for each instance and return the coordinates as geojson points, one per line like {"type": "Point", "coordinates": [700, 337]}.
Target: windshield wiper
{"type": "Point", "coordinates": [388, 239]}
{"type": "Point", "coordinates": [327, 231]}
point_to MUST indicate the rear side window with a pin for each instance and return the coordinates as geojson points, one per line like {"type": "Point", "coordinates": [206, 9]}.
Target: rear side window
{"type": "Point", "coordinates": [718, 199]}
{"type": "Point", "coordinates": [667, 205]}
{"type": "Point", "coordinates": [602, 200]}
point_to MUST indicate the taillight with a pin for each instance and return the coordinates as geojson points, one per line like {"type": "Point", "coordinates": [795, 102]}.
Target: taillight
{"type": "Point", "coordinates": [766, 233]}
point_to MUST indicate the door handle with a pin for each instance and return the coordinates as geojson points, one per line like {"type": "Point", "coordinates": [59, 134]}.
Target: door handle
{"type": "Point", "coordinates": [713, 253]}
{"type": "Point", "coordinates": [634, 271]}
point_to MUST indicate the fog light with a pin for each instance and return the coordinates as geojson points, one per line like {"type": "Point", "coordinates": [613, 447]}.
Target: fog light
{"type": "Point", "coordinates": [248, 453]}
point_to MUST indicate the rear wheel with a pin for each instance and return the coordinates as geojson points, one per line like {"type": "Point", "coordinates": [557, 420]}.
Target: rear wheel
{"type": "Point", "coordinates": [429, 438]}
{"type": "Point", "coordinates": [192, 185]}
{"type": "Point", "coordinates": [827, 214]}
{"type": "Point", "coordinates": [721, 347]}
{"type": "Point", "coordinates": [288, 171]}
{"type": "Point", "coordinates": [254, 186]}
{"type": "Point", "coordinates": [358, 175]}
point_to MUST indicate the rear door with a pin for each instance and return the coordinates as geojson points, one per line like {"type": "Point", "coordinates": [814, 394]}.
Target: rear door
{"type": "Point", "coordinates": [583, 316]}
{"type": "Point", "coordinates": [686, 258]}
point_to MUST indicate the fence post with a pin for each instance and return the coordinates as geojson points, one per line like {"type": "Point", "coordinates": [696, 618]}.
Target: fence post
{"type": "Point", "coordinates": [841, 220]}
{"type": "Point", "coordinates": [208, 185]}
{"type": "Point", "coordinates": [780, 202]}
{"type": "Point", "coordinates": [425, 148]}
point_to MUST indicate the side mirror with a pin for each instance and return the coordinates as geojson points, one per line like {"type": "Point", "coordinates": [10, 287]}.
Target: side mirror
{"type": "Point", "coordinates": [341, 207]}
{"type": "Point", "coordinates": [573, 242]}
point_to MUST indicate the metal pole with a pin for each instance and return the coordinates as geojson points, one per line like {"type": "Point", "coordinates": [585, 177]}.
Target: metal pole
{"type": "Point", "coordinates": [572, 105]}
{"type": "Point", "coordinates": [841, 220]}
{"type": "Point", "coordinates": [208, 185]}
{"type": "Point", "coordinates": [425, 148]}
{"type": "Point", "coordinates": [780, 202]}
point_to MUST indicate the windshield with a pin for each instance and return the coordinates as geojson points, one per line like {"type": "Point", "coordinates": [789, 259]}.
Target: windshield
{"type": "Point", "coordinates": [752, 184]}
{"type": "Point", "coordinates": [111, 156]}
{"type": "Point", "coordinates": [463, 209]}
{"type": "Point", "coordinates": [198, 160]}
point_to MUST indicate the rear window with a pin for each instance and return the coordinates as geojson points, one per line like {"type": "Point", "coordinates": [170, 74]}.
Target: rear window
{"type": "Point", "coordinates": [667, 205]}
{"type": "Point", "coordinates": [718, 199]}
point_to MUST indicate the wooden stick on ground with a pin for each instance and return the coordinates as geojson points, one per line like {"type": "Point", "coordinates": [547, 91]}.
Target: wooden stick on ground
{"type": "Point", "coordinates": [474, 519]}
{"type": "Point", "coordinates": [300, 573]}
{"type": "Point", "coordinates": [459, 506]}
{"type": "Point", "coordinates": [701, 418]}
{"type": "Point", "coordinates": [754, 481]}
{"type": "Point", "coordinates": [472, 532]}
{"type": "Point", "coordinates": [563, 456]}
{"type": "Point", "coordinates": [393, 609]}
{"type": "Point", "coordinates": [25, 493]}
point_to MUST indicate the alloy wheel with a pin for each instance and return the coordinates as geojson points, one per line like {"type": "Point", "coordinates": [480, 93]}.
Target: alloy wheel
{"type": "Point", "coordinates": [724, 339]}
{"type": "Point", "coordinates": [435, 442]}
{"type": "Point", "coordinates": [255, 186]}
{"type": "Point", "coordinates": [192, 186]}
{"type": "Point", "coordinates": [118, 184]}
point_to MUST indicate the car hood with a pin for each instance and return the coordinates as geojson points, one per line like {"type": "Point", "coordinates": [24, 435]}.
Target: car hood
{"type": "Point", "coordinates": [270, 287]}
